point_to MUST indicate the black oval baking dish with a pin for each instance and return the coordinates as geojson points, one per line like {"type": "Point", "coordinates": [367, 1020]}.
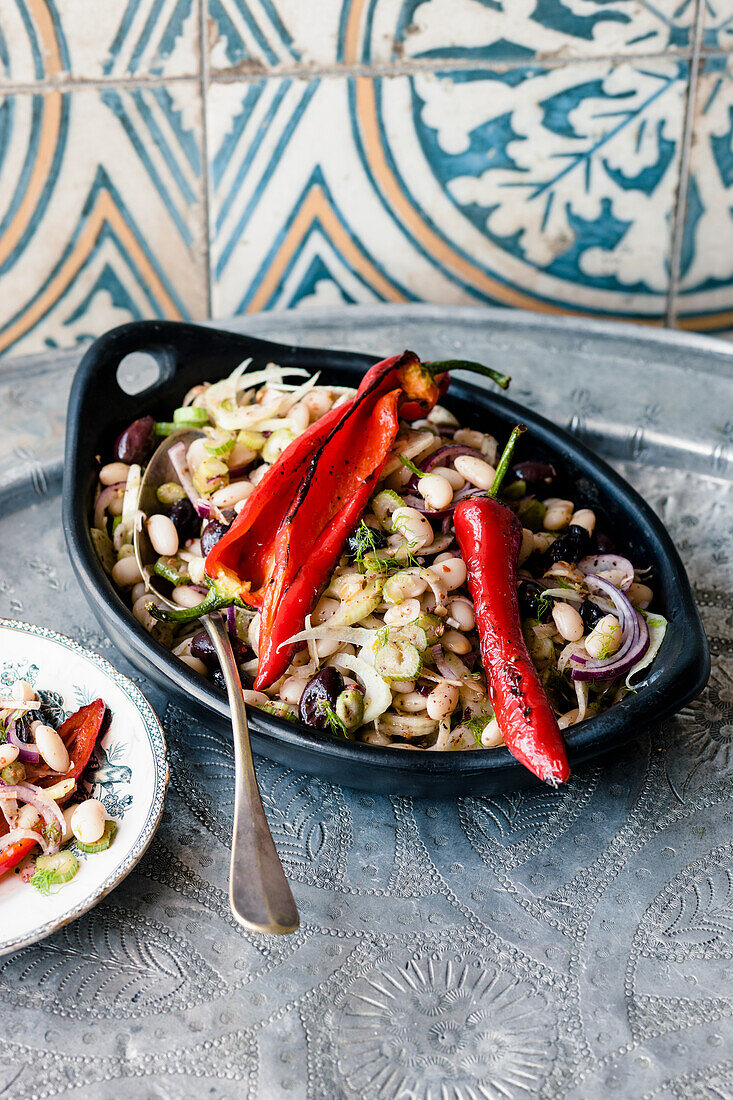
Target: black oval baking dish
{"type": "Point", "coordinates": [187, 354]}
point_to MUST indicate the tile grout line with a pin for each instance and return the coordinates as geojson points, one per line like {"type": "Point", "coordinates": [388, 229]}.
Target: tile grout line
{"type": "Point", "coordinates": [386, 69]}
{"type": "Point", "coordinates": [680, 211]}
{"type": "Point", "coordinates": [204, 88]}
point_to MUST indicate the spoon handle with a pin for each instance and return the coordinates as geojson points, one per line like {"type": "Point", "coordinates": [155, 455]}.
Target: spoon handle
{"type": "Point", "coordinates": [259, 893]}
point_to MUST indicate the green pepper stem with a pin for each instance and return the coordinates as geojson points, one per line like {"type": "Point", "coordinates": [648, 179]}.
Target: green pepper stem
{"type": "Point", "coordinates": [504, 461]}
{"type": "Point", "coordinates": [443, 365]}
{"type": "Point", "coordinates": [212, 602]}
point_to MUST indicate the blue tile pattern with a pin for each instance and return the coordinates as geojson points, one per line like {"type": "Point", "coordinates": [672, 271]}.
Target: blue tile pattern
{"type": "Point", "coordinates": [522, 152]}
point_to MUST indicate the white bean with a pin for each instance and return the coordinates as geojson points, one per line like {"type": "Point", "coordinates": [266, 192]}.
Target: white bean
{"type": "Point", "coordinates": [411, 702]}
{"type": "Point", "coordinates": [22, 692]}
{"type": "Point", "coordinates": [317, 402]}
{"type": "Point", "coordinates": [455, 642]}
{"type": "Point", "coordinates": [87, 821]}
{"type": "Point", "coordinates": [584, 517]}
{"type": "Point", "coordinates": [326, 647]}
{"type": "Point", "coordinates": [197, 570]}
{"type": "Point", "coordinates": [229, 495]}
{"type": "Point", "coordinates": [542, 540]}
{"type": "Point", "coordinates": [413, 526]}
{"type": "Point", "coordinates": [68, 813]}
{"type": "Point", "coordinates": [526, 547]}
{"type": "Point", "coordinates": [492, 736]}
{"type": "Point", "coordinates": [185, 595]}
{"type": "Point", "coordinates": [475, 470]}
{"type": "Point", "coordinates": [442, 700]}
{"type": "Point", "coordinates": [405, 612]}
{"type": "Point", "coordinates": [292, 689]}
{"type": "Point", "coordinates": [436, 491]}
{"type": "Point", "coordinates": [114, 508]}
{"type": "Point", "coordinates": [605, 637]}
{"type": "Point", "coordinates": [406, 586]}
{"type": "Point", "coordinates": [254, 698]}
{"type": "Point", "coordinates": [640, 595]}
{"type": "Point", "coordinates": [163, 535]}
{"type": "Point", "coordinates": [302, 657]}
{"type": "Point", "coordinates": [568, 622]}
{"type": "Point", "coordinates": [461, 610]}
{"type": "Point", "coordinates": [441, 415]}
{"type": "Point", "coordinates": [114, 472]}
{"type": "Point", "coordinates": [126, 573]}
{"type": "Point", "coordinates": [325, 609]}
{"type": "Point", "coordinates": [402, 687]}
{"type": "Point", "coordinates": [558, 514]}
{"type": "Point", "coordinates": [257, 474]}
{"type": "Point", "coordinates": [451, 571]}
{"type": "Point", "coordinates": [52, 749]}
{"type": "Point", "coordinates": [454, 479]}
{"type": "Point", "coordinates": [194, 663]}
{"type": "Point", "coordinates": [197, 453]}
{"type": "Point", "coordinates": [480, 441]}
{"type": "Point", "coordinates": [299, 417]}
{"type": "Point", "coordinates": [138, 591]}
{"type": "Point", "coordinates": [8, 754]}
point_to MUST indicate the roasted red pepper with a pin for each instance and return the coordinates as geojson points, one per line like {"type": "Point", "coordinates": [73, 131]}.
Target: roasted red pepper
{"type": "Point", "coordinates": [79, 733]}
{"type": "Point", "coordinates": [12, 855]}
{"type": "Point", "coordinates": [489, 535]}
{"type": "Point", "coordinates": [282, 548]}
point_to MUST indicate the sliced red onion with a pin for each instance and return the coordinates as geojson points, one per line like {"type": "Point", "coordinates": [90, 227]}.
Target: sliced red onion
{"type": "Point", "coordinates": [27, 754]}
{"type": "Point", "coordinates": [103, 501]}
{"type": "Point", "coordinates": [39, 800]}
{"type": "Point", "coordinates": [177, 456]}
{"type": "Point", "coordinates": [600, 563]}
{"type": "Point", "coordinates": [634, 643]}
{"type": "Point", "coordinates": [444, 513]}
{"type": "Point", "coordinates": [203, 508]}
{"type": "Point", "coordinates": [22, 834]}
{"type": "Point", "coordinates": [441, 664]}
{"type": "Point", "coordinates": [449, 452]}
{"type": "Point", "coordinates": [232, 622]}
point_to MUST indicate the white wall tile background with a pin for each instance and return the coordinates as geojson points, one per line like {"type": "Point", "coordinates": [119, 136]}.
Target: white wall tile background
{"type": "Point", "coordinates": [195, 158]}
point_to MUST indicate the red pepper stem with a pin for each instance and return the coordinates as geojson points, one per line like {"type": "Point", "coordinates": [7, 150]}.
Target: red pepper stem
{"type": "Point", "coordinates": [504, 461]}
{"type": "Point", "coordinates": [443, 365]}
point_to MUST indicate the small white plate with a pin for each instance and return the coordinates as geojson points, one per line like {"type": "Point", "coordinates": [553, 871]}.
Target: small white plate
{"type": "Point", "coordinates": [130, 778]}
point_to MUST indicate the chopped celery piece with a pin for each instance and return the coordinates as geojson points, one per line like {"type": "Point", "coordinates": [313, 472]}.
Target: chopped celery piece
{"type": "Point", "coordinates": [398, 660]}
{"type": "Point", "coordinates": [190, 417]}
{"type": "Point", "coordinates": [110, 829]}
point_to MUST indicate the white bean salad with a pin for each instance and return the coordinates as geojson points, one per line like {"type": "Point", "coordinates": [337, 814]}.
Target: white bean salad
{"type": "Point", "coordinates": [390, 654]}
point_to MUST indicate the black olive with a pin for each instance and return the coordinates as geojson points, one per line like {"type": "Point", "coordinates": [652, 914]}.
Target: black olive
{"type": "Point", "coordinates": [217, 677]}
{"type": "Point", "coordinates": [23, 727]}
{"type": "Point", "coordinates": [137, 442]}
{"type": "Point", "coordinates": [356, 543]}
{"type": "Point", "coordinates": [203, 648]}
{"type": "Point", "coordinates": [211, 534]}
{"type": "Point", "coordinates": [591, 614]}
{"type": "Point", "coordinates": [185, 519]}
{"type": "Point", "coordinates": [530, 605]}
{"type": "Point", "coordinates": [325, 685]}
{"type": "Point", "coordinates": [537, 475]}
{"type": "Point", "coordinates": [572, 545]}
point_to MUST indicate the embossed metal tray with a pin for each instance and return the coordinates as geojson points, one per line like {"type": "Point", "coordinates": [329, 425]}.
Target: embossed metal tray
{"type": "Point", "coordinates": [188, 354]}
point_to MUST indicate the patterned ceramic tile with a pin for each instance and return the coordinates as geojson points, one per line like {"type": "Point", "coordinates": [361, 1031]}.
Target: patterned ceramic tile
{"type": "Point", "coordinates": [705, 300]}
{"type": "Point", "coordinates": [101, 217]}
{"type": "Point", "coordinates": [718, 25]}
{"type": "Point", "coordinates": [546, 188]}
{"type": "Point", "coordinates": [55, 39]}
{"type": "Point", "coordinates": [258, 35]}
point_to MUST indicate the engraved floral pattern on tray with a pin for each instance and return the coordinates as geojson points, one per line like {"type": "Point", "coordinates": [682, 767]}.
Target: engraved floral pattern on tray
{"type": "Point", "coordinates": [524, 945]}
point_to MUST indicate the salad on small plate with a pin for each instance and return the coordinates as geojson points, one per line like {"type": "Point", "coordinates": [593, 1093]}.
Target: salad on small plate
{"type": "Point", "coordinates": [83, 776]}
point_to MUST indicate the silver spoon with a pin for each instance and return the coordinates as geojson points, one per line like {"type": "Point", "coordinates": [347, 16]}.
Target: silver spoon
{"type": "Point", "coordinates": [259, 893]}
